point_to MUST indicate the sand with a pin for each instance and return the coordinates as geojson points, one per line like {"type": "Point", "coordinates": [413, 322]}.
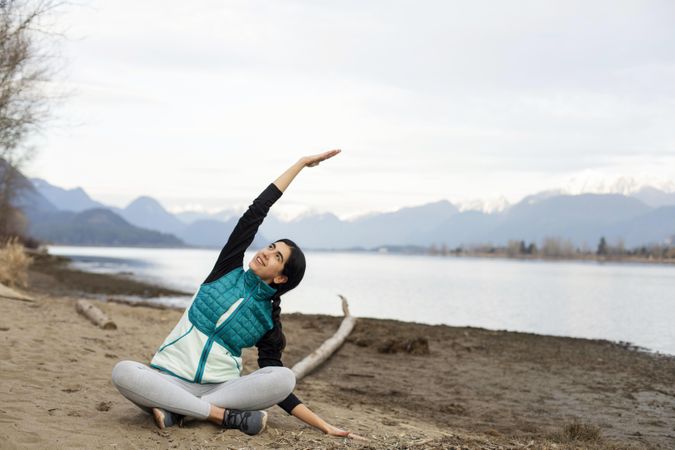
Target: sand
{"type": "Point", "coordinates": [402, 385]}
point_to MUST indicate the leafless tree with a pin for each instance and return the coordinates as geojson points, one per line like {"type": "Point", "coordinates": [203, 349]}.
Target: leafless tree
{"type": "Point", "coordinates": [555, 247]}
{"type": "Point", "coordinates": [24, 69]}
{"type": "Point", "coordinates": [513, 248]}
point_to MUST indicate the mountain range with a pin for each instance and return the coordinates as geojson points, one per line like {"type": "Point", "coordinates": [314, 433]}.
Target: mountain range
{"type": "Point", "coordinates": [642, 217]}
{"type": "Point", "coordinates": [85, 222]}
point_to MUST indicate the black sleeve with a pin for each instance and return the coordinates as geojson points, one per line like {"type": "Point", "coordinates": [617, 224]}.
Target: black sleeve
{"type": "Point", "coordinates": [232, 254]}
{"type": "Point", "coordinates": [270, 347]}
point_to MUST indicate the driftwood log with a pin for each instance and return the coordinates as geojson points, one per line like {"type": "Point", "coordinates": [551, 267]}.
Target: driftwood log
{"type": "Point", "coordinates": [95, 315]}
{"type": "Point", "coordinates": [144, 303]}
{"type": "Point", "coordinates": [11, 294]}
{"type": "Point", "coordinates": [330, 345]}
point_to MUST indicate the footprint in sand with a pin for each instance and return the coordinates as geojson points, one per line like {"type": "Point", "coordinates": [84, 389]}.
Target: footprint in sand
{"type": "Point", "coordinates": [71, 389]}
{"type": "Point", "coordinates": [104, 406]}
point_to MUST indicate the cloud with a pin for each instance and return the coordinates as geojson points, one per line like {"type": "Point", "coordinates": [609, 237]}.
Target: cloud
{"type": "Point", "coordinates": [205, 100]}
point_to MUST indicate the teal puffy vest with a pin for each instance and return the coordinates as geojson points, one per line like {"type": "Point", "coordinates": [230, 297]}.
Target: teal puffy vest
{"type": "Point", "coordinates": [247, 324]}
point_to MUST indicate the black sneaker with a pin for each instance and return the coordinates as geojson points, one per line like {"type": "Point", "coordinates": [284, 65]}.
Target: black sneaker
{"type": "Point", "coordinates": [249, 422]}
{"type": "Point", "coordinates": [165, 419]}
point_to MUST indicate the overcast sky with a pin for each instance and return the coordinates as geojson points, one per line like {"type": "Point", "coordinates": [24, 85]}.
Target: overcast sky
{"type": "Point", "coordinates": [201, 104]}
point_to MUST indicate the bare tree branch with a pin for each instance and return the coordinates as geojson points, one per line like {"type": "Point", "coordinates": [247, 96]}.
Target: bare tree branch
{"type": "Point", "coordinates": [24, 105]}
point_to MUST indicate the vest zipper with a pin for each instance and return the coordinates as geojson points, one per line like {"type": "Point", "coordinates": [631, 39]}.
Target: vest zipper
{"type": "Point", "coordinates": [209, 342]}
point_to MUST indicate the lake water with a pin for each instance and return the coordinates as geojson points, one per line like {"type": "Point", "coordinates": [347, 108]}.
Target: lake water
{"type": "Point", "coordinates": [620, 302]}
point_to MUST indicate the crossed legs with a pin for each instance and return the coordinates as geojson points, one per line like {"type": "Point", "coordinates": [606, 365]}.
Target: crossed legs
{"type": "Point", "coordinates": [149, 388]}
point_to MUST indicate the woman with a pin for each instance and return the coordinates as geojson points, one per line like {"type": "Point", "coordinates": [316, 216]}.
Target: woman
{"type": "Point", "coordinates": [196, 371]}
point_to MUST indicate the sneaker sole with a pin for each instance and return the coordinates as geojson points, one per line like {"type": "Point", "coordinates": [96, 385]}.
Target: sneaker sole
{"type": "Point", "coordinates": [159, 418]}
{"type": "Point", "coordinates": [264, 422]}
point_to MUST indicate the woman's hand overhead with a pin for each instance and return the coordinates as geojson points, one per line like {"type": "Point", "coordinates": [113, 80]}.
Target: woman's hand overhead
{"type": "Point", "coordinates": [314, 160]}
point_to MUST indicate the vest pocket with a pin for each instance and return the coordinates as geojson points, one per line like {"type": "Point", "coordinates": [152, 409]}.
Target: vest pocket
{"type": "Point", "coordinates": [176, 340]}
{"type": "Point", "coordinates": [179, 356]}
{"type": "Point", "coordinates": [221, 365]}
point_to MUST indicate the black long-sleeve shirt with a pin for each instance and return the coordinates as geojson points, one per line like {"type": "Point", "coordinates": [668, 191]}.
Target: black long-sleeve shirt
{"type": "Point", "coordinates": [271, 345]}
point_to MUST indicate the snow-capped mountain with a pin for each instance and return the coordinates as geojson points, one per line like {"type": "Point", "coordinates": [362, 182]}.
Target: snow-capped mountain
{"type": "Point", "coordinates": [591, 182]}
{"type": "Point", "coordinates": [637, 213]}
{"type": "Point", "coordinates": [488, 206]}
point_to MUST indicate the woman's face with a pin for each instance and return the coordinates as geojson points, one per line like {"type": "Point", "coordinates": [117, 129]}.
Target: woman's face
{"type": "Point", "coordinates": [268, 263]}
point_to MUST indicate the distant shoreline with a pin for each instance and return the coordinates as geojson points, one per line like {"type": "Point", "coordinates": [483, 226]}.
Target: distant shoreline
{"type": "Point", "coordinates": [421, 251]}
{"type": "Point", "coordinates": [597, 259]}
{"type": "Point", "coordinates": [72, 281]}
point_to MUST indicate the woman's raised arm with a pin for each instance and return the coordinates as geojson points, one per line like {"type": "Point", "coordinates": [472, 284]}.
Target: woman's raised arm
{"type": "Point", "coordinates": [232, 254]}
{"type": "Point", "coordinates": [308, 161]}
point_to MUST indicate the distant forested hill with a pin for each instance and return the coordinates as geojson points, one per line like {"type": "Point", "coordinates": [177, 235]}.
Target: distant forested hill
{"type": "Point", "coordinates": [95, 227]}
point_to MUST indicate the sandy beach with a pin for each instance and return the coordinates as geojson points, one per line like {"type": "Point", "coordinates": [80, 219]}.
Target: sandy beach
{"type": "Point", "coordinates": [402, 385]}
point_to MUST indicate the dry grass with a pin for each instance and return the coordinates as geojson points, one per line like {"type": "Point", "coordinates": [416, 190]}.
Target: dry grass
{"type": "Point", "coordinates": [14, 263]}
{"type": "Point", "coordinates": [578, 432]}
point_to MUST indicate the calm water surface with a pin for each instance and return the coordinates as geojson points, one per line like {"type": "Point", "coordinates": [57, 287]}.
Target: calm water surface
{"type": "Point", "coordinates": [627, 302]}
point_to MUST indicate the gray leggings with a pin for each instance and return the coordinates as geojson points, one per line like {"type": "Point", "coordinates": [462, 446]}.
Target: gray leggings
{"type": "Point", "coordinates": [149, 388]}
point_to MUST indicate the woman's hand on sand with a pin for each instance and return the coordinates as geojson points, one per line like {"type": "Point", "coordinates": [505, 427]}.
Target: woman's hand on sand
{"type": "Point", "coordinates": [335, 431]}
{"type": "Point", "coordinates": [314, 160]}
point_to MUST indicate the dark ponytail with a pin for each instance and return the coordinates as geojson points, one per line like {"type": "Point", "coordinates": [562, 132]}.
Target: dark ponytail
{"type": "Point", "coordinates": [294, 270]}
